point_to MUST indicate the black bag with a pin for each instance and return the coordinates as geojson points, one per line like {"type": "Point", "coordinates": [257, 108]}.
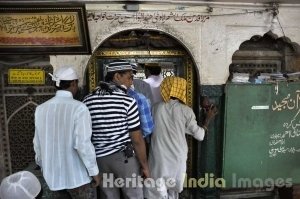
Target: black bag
{"type": "Point", "coordinates": [128, 151]}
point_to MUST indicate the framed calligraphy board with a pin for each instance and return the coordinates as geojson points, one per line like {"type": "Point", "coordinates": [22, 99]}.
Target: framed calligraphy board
{"type": "Point", "coordinates": [47, 29]}
{"type": "Point", "coordinates": [262, 135]}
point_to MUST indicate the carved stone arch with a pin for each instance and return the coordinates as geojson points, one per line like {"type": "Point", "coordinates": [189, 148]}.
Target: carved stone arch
{"type": "Point", "coordinates": [29, 103]}
{"type": "Point", "coordinates": [101, 42]}
{"type": "Point", "coordinates": [271, 37]}
{"type": "Point", "coordinates": [101, 39]}
{"type": "Point", "coordinates": [267, 53]}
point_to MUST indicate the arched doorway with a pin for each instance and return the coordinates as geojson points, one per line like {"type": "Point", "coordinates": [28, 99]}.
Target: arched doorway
{"type": "Point", "coordinates": [147, 47]}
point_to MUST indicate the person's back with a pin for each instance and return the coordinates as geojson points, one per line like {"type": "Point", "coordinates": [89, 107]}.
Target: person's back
{"type": "Point", "coordinates": [110, 120]}
{"type": "Point", "coordinates": [145, 114]}
{"type": "Point", "coordinates": [168, 142]}
{"type": "Point", "coordinates": [120, 147]}
{"type": "Point", "coordinates": [173, 119]}
{"type": "Point", "coordinates": [55, 120]}
{"type": "Point", "coordinates": [62, 140]}
{"type": "Point", "coordinates": [143, 87]}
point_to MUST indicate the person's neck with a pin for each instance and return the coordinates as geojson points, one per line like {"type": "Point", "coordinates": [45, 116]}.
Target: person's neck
{"type": "Point", "coordinates": [70, 90]}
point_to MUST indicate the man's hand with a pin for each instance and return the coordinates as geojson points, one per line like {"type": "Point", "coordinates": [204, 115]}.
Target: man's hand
{"type": "Point", "coordinates": [210, 114]}
{"type": "Point", "coordinates": [96, 180]}
{"type": "Point", "coordinates": [140, 151]}
{"type": "Point", "coordinates": [145, 173]}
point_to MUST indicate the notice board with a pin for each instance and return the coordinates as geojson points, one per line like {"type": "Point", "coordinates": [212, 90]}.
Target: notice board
{"type": "Point", "coordinates": [262, 135]}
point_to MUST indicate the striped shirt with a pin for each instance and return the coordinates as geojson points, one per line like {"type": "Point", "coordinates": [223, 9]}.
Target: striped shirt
{"type": "Point", "coordinates": [114, 115]}
{"type": "Point", "coordinates": [62, 142]}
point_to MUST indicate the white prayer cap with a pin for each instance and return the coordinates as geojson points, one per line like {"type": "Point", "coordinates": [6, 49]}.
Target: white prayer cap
{"type": "Point", "coordinates": [63, 73]}
{"type": "Point", "coordinates": [22, 184]}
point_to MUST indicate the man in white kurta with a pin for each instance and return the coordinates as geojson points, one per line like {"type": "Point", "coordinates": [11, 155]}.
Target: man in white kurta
{"type": "Point", "coordinates": [62, 139]}
{"type": "Point", "coordinates": [168, 151]}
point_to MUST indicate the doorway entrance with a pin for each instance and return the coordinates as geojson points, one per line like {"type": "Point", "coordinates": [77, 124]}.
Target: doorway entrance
{"type": "Point", "coordinates": [149, 47]}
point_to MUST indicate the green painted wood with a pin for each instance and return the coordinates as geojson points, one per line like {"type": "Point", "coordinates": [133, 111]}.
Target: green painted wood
{"type": "Point", "coordinates": [261, 135]}
{"type": "Point", "coordinates": [209, 151]}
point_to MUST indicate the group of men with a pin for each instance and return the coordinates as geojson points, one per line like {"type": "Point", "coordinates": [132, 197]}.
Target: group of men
{"type": "Point", "coordinates": [101, 141]}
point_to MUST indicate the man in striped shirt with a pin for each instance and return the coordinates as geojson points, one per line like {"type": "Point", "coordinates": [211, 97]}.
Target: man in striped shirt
{"type": "Point", "coordinates": [62, 140]}
{"type": "Point", "coordinates": [116, 132]}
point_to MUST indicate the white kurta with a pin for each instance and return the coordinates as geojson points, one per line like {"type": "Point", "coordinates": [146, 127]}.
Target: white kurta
{"type": "Point", "coordinates": [154, 82]}
{"type": "Point", "coordinates": [62, 142]}
{"type": "Point", "coordinates": [168, 150]}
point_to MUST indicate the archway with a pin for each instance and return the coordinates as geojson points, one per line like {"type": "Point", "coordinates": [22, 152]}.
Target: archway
{"type": "Point", "coordinates": [151, 47]}
{"type": "Point", "coordinates": [266, 54]}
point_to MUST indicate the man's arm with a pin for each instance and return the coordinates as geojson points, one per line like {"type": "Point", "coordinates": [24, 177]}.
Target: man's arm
{"type": "Point", "coordinates": [36, 145]}
{"type": "Point", "coordinates": [140, 151]}
{"type": "Point", "coordinates": [37, 150]}
{"type": "Point", "coordinates": [83, 145]}
{"type": "Point", "coordinates": [147, 124]}
{"type": "Point", "coordinates": [137, 138]}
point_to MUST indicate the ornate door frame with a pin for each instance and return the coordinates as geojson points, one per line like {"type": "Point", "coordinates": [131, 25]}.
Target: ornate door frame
{"type": "Point", "coordinates": [93, 73]}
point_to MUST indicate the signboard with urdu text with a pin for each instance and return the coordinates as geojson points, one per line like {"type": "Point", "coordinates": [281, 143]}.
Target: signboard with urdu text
{"type": "Point", "coordinates": [26, 76]}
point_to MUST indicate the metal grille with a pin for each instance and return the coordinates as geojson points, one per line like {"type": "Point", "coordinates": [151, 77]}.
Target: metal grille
{"type": "Point", "coordinates": [256, 61]}
{"type": "Point", "coordinates": [21, 130]}
{"type": "Point", "coordinates": [255, 67]}
{"type": "Point", "coordinates": [165, 72]}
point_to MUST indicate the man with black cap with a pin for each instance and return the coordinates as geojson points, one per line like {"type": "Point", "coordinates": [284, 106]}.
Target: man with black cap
{"type": "Point", "coordinates": [119, 144]}
{"type": "Point", "coordinates": [62, 140]}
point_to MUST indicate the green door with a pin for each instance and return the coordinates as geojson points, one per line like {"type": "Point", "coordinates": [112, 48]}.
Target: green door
{"type": "Point", "coordinates": [262, 135]}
